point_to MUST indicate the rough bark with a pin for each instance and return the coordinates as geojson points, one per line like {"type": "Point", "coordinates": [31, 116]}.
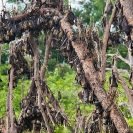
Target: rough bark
{"type": "Point", "coordinates": [93, 78]}
{"type": "Point", "coordinates": [128, 10]}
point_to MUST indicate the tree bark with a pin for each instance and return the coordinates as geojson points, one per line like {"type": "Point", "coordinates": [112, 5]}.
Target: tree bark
{"type": "Point", "coordinates": [93, 78]}
{"type": "Point", "coordinates": [11, 112]}
{"type": "Point", "coordinates": [37, 78]}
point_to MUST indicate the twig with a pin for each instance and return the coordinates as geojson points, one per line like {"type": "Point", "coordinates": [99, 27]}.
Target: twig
{"type": "Point", "coordinates": [120, 57]}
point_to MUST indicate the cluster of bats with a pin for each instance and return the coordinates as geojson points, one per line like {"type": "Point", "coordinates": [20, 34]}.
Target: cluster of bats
{"type": "Point", "coordinates": [96, 122]}
{"type": "Point", "coordinates": [18, 61]}
{"type": "Point", "coordinates": [30, 113]}
{"type": "Point", "coordinates": [119, 23]}
{"type": "Point", "coordinates": [11, 28]}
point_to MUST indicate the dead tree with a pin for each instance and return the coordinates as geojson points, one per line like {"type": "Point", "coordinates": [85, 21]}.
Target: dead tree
{"type": "Point", "coordinates": [85, 53]}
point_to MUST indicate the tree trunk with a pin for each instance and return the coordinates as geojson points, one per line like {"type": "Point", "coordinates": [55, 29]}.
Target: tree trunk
{"type": "Point", "coordinates": [37, 79]}
{"type": "Point", "coordinates": [93, 78]}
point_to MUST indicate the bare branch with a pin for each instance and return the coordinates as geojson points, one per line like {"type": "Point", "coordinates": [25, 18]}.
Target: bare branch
{"type": "Point", "coordinates": [120, 57]}
{"type": "Point", "coordinates": [36, 78]}
{"type": "Point", "coordinates": [119, 70]}
{"type": "Point", "coordinates": [105, 40]}
{"type": "Point", "coordinates": [43, 69]}
{"type": "Point", "coordinates": [13, 127]}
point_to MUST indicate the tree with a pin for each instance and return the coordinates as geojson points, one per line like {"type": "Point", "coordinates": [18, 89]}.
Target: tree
{"type": "Point", "coordinates": [85, 52]}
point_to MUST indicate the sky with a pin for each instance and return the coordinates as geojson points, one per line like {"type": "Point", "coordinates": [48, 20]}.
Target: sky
{"type": "Point", "coordinates": [73, 3]}
{"type": "Point", "coordinates": [5, 3]}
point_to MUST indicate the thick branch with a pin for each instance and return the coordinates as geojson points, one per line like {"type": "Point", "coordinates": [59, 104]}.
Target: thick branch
{"type": "Point", "coordinates": [128, 10]}
{"type": "Point", "coordinates": [93, 78]}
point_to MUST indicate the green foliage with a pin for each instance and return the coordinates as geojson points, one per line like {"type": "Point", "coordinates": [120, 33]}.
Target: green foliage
{"type": "Point", "coordinates": [5, 53]}
{"type": "Point", "coordinates": [91, 11]}
{"type": "Point", "coordinates": [62, 79]}
{"type": "Point", "coordinates": [23, 85]}
{"type": "Point", "coordinates": [61, 129]}
{"type": "Point", "coordinates": [123, 52]}
{"type": "Point", "coordinates": [3, 88]}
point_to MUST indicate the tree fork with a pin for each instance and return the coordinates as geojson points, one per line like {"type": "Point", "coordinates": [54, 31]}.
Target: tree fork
{"type": "Point", "coordinates": [37, 77]}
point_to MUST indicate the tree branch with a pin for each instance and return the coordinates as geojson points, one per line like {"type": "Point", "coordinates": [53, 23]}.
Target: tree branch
{"type": "Point", "coordinates": [43, 69]}
{"type": "Point", "coordinates": [12, 128]}
{"type": "Point", "coordinates": [37, 79]}
{"type": "Point", "coordinates": [120, 57]}
{"type": "Point", "coordinates": [93, 78]}
{"type": "Point", "coordinates": [119, 70]}
{"type": "Point", "coordinates": [105, 40]}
